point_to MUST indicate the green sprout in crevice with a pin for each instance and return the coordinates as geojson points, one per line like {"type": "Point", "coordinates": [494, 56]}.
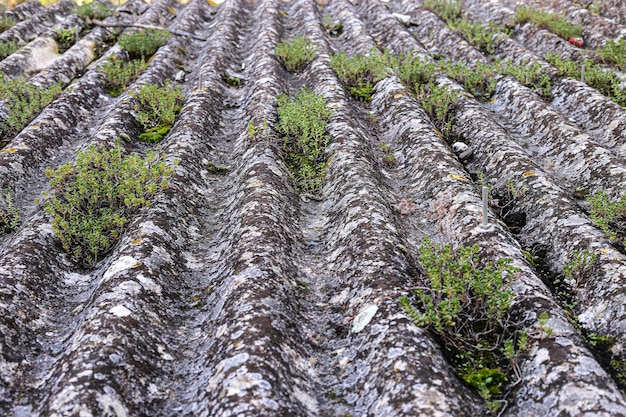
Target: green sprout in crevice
{"type": "Point", "coordinates": [302, 124]}
{"type": "Point", "coordinates": [7, 48]}
{"type": "Point", "coordinates": [22, 102]}
{"type": "Point", "coordinates": [604, 80]}
{"type": "Point", "coordinates": [609, 216]}
{"type": "Point", "coordinates": [7, 22]}
{"type": "Point", "coordinates": [157, 108]}
{"type": "Point", "coordinates": [550, 21]}
{"type": "Point", "coordinates": [467, 303]}
{"type": "Point", "coordinates": [93, 199]}
{"type": "Point", "coordinates": [92, 10]}
{"type": "Point", "coordinates": [121, 73]}
{"type": "Point", "coordinates": [9, 214]}
{"type": "Point", "coordinates": [360, 73]}
{"type": "Point", "coordinates": [483, 36]}
{"type": "Point", "coordinates": [295, 54]}
{"type": "Point", "coordinates": [143, 43]}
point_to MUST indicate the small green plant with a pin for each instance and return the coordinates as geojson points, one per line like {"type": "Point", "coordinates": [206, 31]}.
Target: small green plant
{"type": "Point", "coordinates": [439, 102]}
{"type": "Point", "coordinates": [609, 216]}
{"type": "Point", "coordinates": [233, 81]}
{"type": "Point", "coordinates": [302, 125]}
{"type": "Point", "coordinates": [615, 52]}
{"type": "Point", "coordinates": [9, 214]}
{"type": "Point", "coordinates": [467, 304]}
{"type": "Point", "coordinates": [143, 43]}
{"type": "Point", "coordinates": [360, 73]}
{"type": "Point", "coordinates": [415, 71]}
{"type": "Point", "coordinates": [94, 198]}
{"type": "Point", "coordinates": [65, 37]}
{"type": "Point", "coordinates": [603, 80]}
{"type": "Point", "coordinates": [6, 22]}
{"type": "Point", "coordinates": [330, 26]}
{"type": "Point", "coordinates": [550, 21]}
{"type": "Point", "coordinates": [480, 80]}
{"type": "Point", "coordinates": [533, 76]}
{"type": "Point", "coordinates": [579, 268]}
{"type": "Point", "coordinates": [93, 10]}
{"type": "Point", "coordinates": [258, 132]}
{"type": "Point", "coordinates": [481, 35]}
{"type": "Point", "coordinates": [22, 102]}
{"type": "Point", "coordinates": [389, 158]}
{"type": "Point", "coordinates": [120, 73]}
{"type": "Point", "coordinates": [295, 54]}
{"type": "Point", "coordinates": [7, 48]}
{"type": "Point", "coordinates": [157, 108]}
{"type": "Point", "coordinates": [447, 10]}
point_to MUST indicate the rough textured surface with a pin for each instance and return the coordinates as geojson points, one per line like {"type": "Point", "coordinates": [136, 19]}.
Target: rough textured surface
{"type": "Point", "coordinates": [232, 294]}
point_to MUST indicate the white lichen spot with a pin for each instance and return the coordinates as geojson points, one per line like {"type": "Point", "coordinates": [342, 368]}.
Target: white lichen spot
{"type": "Point", "coordinates": [166, 356]}
{"type": "Point", "coordinates": [111, 406]}
{"type": "Point", "coordinates": [124, 263]}
{"type": "Point", "coordinates": [120, 311]}
{"type": "Point", "coordinates": [400, 366]}
{"type": "Point", "coordinates": [542, 356]}
{"type": "Point", "coordinates": [309, 402]}
{"type": "Point", "coordinates": [363, 318]}
{"type": "Point", "coordinates": [149, 284]}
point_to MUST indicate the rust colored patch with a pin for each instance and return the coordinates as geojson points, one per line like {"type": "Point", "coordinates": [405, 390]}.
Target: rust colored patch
{"type": "Point", "coordinates": [9, 150]}
{"type": "Point", "coordinates": [528, 174]}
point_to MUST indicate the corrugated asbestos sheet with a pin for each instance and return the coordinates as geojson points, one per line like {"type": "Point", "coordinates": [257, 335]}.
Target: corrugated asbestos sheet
{"type": "Point", "coordinates": [233, 294]}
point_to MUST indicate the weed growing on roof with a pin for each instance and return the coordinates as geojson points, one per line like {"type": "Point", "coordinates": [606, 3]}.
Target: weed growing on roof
{"type": "Point", "coordinates": [258, 132]}
{"type": "Point", "coordinates": [550, 21]}
{"type": "Point", "coordinates": [120, 73]}
{"type": "Point", "coordinates": [93, 10]}
{"type": "Point", "coordinates": [65, 37]}
{"type": "Point", "coordinates": [94, 198]}
{"type": "Point", "coordinates": [467, 303]}
{"type": "Point", "coordinates": [9, 214]}
{"type": "Point", "coordinates": [478, 34]}
{"type": "Point", "coordinates": [533, 76]}
{"type": "Point", "coordinates": [615, 52]}
{"type": "Point", "coordinates": [302, 124]}
{"type": "Point", "coordinates": [609, 216]}
{"type": "Point", "coordinates": [439, 101]}
{"type": "Point", "coordinates": [22, 102]}
{"type": "Point", "coordinates": [6, 22]}
{"type": "Point", "coordinates": [389, 158]}
{"type": "Point", "coordinates": [447, 10]}
{"type": "Point", "coordinates": [330, 26]}
{"type": "Point", "coordinates": [7, 48]}
{"type": "Point", "coordinates": [579, 268]}
{"type": "Point", "coordinates": [360, 73]}
{"type": "Point", "coordinates": [296, 53]}
{"type": "Point", "coordinates": [157, 108]}
{"type": "Point", "coordinates": [143, 43]}
{"type": "Point", "coordinates": [480, 80]}
{"type": "Point", "coordinates": [414, 70]}
{"type": "Point", "coordinates": [605, 81]}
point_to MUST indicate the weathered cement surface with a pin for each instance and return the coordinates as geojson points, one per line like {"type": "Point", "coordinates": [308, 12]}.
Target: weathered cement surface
{"type": "Point", "coordinates": [233, 295]}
